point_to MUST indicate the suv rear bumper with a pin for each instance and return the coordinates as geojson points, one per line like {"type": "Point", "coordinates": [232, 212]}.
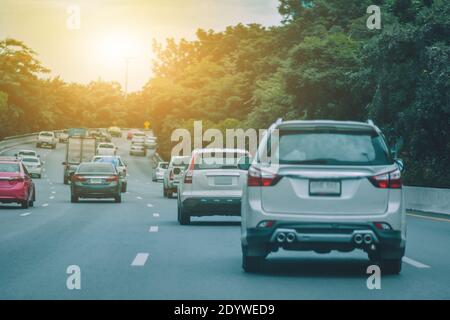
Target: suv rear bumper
{"type": "Point", "coordinates": [323, 237]}
{"type": "Point", "coordinates": [209, 206]}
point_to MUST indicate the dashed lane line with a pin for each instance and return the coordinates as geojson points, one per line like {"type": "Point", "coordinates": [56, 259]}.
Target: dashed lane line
{"type": "Point", "coordinates": [139, 198]}
{"type": "Point", "coordinates": [156, 215]}
{"type": "Point", "coordinates": [149, 205]}
{"type": "Point", "coordinates": [140, 260]}
{"type": "Point", "coordinates": [52, 197]}
{"type": "Point", "coordinates": [25, 214]}
{"type": "Point", "coordinates": [415, 263]}
{"type": "Point", "coordinates": [45, 205]}
{"type": "Point", "coordinates": [153, 229]}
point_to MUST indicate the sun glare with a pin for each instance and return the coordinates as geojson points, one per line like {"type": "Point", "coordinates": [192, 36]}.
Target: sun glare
{"type": "Point", "coordinates": [115, 47]}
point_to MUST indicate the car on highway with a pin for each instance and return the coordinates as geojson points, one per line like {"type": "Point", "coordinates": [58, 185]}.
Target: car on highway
{"type": "Point", "coordinates": [150, 142]}
{"type": "Point", "coordinates": [106, 149]}
{"type": "Point", "coordinates": [115, 132]}
{"type": "Point", "coordinates": [63, 136]}
{"type": "Point", "coordinates": [158, 172]}
{"type": "Point", "coordinates": [138, 150]}
{"type": "Point", "coordinates": [33, 165]}
{"type": "Point", "coordinates": [24, 153]}
{"type": "Point", "coordinates": [323, 186]}
{"type": "Point", "coordinates": [46, 139]}
{"type": "Point", "coordinates": [132, 132]}
{"type": "Point", "coordinates": [16, 185]}
{"type": "Point", "coordinates": [212, 184]}
{"type": "Point", "coordinates": [105, 136]}
{"type": "Point", "coordinates": [119, 164]}
{"type": "Point", "coordinates": [174, 174]}
{"type": "Point", "coordinates": [96, 180]}
{"type": "Point", "coordinates": [138, 139]}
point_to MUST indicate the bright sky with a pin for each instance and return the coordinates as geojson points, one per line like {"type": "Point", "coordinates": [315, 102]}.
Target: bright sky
{"type": "Point", "coordinates": [111, 30]}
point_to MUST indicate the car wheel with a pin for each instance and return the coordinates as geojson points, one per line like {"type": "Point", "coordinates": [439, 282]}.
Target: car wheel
{"type": "Point", "coordinates": [118, 198]}
{"type": "Point", "coordinates": [170, 194]}
{"type": "Point", "coordinates": [31, 203]}
{"type": "Point", "coordinates": [164, 192]}
{"type": "Point", "coordinates": [184, 216]}
{"type": "Point", "coordinates": [39, 176]}
{"type": "Point", "coordinates": [391, 266]}
{"type": "Point", "coordinates": [251, 264]}
{"type": "Point", "coordinates": [25, 204]}
{"type": "Point", "coordinates": [74, 198]}
{"type": "Point", "coordinates": [124, 187]}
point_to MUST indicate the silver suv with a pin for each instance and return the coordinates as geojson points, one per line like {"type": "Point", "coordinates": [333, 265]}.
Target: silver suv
{"type": "Point", "coordinates": [212, 184]}
{"type": "Point", "coordinates": [174, 174]}
{"type": "Point", "coordinates": [322, 186]}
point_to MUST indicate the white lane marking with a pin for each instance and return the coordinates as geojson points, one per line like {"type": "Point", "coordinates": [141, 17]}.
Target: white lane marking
{"type": "Point", "coordinates": [156, 215]}
{"type": "Point", "coordinates": [428, 218]}
{"type": "Point", "coordinates": [52, 197]}
{"type": "Point", "coordinates": [53, 192]}
{"type": "Point", "coordinates": [150, 205]}
{"type": "Point", "coordinates": [45, 205]}
{"type": "Point", "coordinates": [153, 229]}
{"type": "Point", "coordinates": [140, 260]}
{"type": "Point", "coordinates": [139, 198]}
{"type": "Point", "coordinates": [415, 263]}
{"type": "Point", "coordinates": [25, 214]}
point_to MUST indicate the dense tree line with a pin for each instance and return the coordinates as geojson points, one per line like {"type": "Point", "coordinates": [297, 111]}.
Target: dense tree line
{"type": "Point", "coordinates": [321, 63]}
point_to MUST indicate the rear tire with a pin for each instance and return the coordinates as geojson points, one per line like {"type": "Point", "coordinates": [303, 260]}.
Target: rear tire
{"type": "Point", "coordinates": [184, 218]}
{"type": "Point", "coordinates": [118, 198]}
{"type": "Point", "coordinates": [74, 199]}
{"type": "Point", "coordinates": [124, 187]}
{"type": "Point", "coordinates": [25, 204]}
{"type": "Point", "coordinates": [164, 192]}
{"type": "Point", "coordinates": [66, 180]}
{"type": "Point", "coordinates": [391, 266]}
{"type": "Point", "coordinates": [170, 194]}
{"type": "Point", "coordinates": [251, 264]}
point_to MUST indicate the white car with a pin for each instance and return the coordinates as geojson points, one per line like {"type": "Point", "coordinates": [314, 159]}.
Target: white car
{"type": "Point", "coordinates": [47, 138]}
{"type": "Point", "coordinates": [212, 184]}
{"type": "Point", "coordinates": [33, 165]}
{"type": "Point", "coordinates": [106, 149]}
{"type": "Point", "coordinates": [138, 150]}
{"type": "Point", "coordinates": [29, 153]}
{"type": "Point", "coordinates": [138, 140]}
{"type": "Point", "coordinates": [174, 174]}
{"type": "Point", "coordinates": [158, 173]}
{"type": "Point", "coordinates": [150, 142]}
{"type": "Point", "coordinates": [323, 186]}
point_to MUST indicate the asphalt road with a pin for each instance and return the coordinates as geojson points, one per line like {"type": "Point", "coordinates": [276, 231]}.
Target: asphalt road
{"type": "Point", "coordinates": [201, 261]}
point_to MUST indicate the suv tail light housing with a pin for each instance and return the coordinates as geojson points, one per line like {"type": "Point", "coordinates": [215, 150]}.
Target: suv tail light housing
{"type": "Point", "coordinates": [15, 180]}
{"type": "Point", "coordinates": [112, 179]}
{"type": "Point", "coordinates": [77, 178]}
{"type": "Point", "coordinates": [389, 180]}
{"type": "Point", "coordinates": [261, 178]}
{"type": "Point", "coordinates": [190, 171]}
{"type": "Point", "coordinates": [171, 175]}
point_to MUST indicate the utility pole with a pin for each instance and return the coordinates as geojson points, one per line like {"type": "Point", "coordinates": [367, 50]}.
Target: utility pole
{"type": "Point", "coordinates": [127, 63]}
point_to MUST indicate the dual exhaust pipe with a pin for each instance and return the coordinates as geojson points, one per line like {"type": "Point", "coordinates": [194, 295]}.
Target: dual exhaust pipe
{"type": "Point", "coordinates": [363, 238]}
{"type": "Point", "coordinates": [289, 237]}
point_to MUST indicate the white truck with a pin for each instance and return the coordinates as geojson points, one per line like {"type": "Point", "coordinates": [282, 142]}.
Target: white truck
{"type": "Point", "coordinates": [46, 138]}
{"type": "Point", "coordinates": [79, 149]}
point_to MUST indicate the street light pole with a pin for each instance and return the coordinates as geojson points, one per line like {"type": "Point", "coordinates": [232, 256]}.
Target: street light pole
{"type": "Point", "coordinates": [127, 62]}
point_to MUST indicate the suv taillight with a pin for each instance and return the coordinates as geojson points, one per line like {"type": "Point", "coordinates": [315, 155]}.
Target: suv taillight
{"type": "Point", "coordinates": [190, 171]}
{"type": "Point", "coordinates": [78, 178]}
{"type": "Point", "coordinates": [171, 175]}
{"type": "Point", "coordinates": [389, 180]}
{"type": "Point", "coordinates": [260, 178]}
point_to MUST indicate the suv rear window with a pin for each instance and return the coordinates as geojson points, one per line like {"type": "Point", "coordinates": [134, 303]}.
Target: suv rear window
{"type": "Point", "coordinates": [46, 134]}
{"type": "Point", "coordinates": [331, 147]}
{"type": "Point", "coordinates": [208, 161]}
{"type": "Point", "coordinates": [9, 167]}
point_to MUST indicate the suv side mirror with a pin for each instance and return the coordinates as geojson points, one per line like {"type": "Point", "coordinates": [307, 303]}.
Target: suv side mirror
{"type": "Point", "coordinates": [400, 164]}
{"type": "Point", "coordinates": [244, 163]}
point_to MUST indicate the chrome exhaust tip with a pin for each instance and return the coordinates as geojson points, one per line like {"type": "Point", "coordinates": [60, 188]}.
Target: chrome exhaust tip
{"type": "Point", "coordinates": [281, 237]}
{"type": "Point", "coordinates": [368, 239]}
{"type": "Point", "coordinates": [358, 238]}
{"type": "Point", "coordinates": [290, 237]}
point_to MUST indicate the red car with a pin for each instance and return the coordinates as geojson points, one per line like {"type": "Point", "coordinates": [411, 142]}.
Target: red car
{"type": "Point", "coordinates": [16, 185]}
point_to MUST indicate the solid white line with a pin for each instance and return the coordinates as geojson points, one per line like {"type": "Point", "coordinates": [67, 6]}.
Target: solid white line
{"type": "Point", "coordinates": [45, 205]}
{"type": "Point", "coordinates": [153, 229]}
{"type": "Point", "coordinates": [140, 260]}
{"type": "Point", "coordinates": [415, 263]}
{"type": "Point", "coordinates": [25, 214]}
{"type": "Point", "coordinates": [428, 218]}
{"type": "Point", "coordinates": [156, 215]}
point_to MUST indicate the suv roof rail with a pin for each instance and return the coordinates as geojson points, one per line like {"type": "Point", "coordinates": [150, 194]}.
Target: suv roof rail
{"type": "Point", "coordinates": [371, 122]}
{"type": "Point", "coordinates": [279, 120]}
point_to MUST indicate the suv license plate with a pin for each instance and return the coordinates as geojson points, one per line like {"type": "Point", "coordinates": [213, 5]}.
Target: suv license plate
{"type": "Point", "coordinates": [96, 181]}
{"type": "Point", "coordinates": [324, 188]}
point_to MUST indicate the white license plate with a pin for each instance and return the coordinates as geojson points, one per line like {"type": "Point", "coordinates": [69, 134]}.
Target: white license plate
{"type": "Point", "coordinates": [96, 181]}
{"type": "Point", "coordinates": [223, 181]}
{"type": "Point", "coordinates": [325, 188]}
